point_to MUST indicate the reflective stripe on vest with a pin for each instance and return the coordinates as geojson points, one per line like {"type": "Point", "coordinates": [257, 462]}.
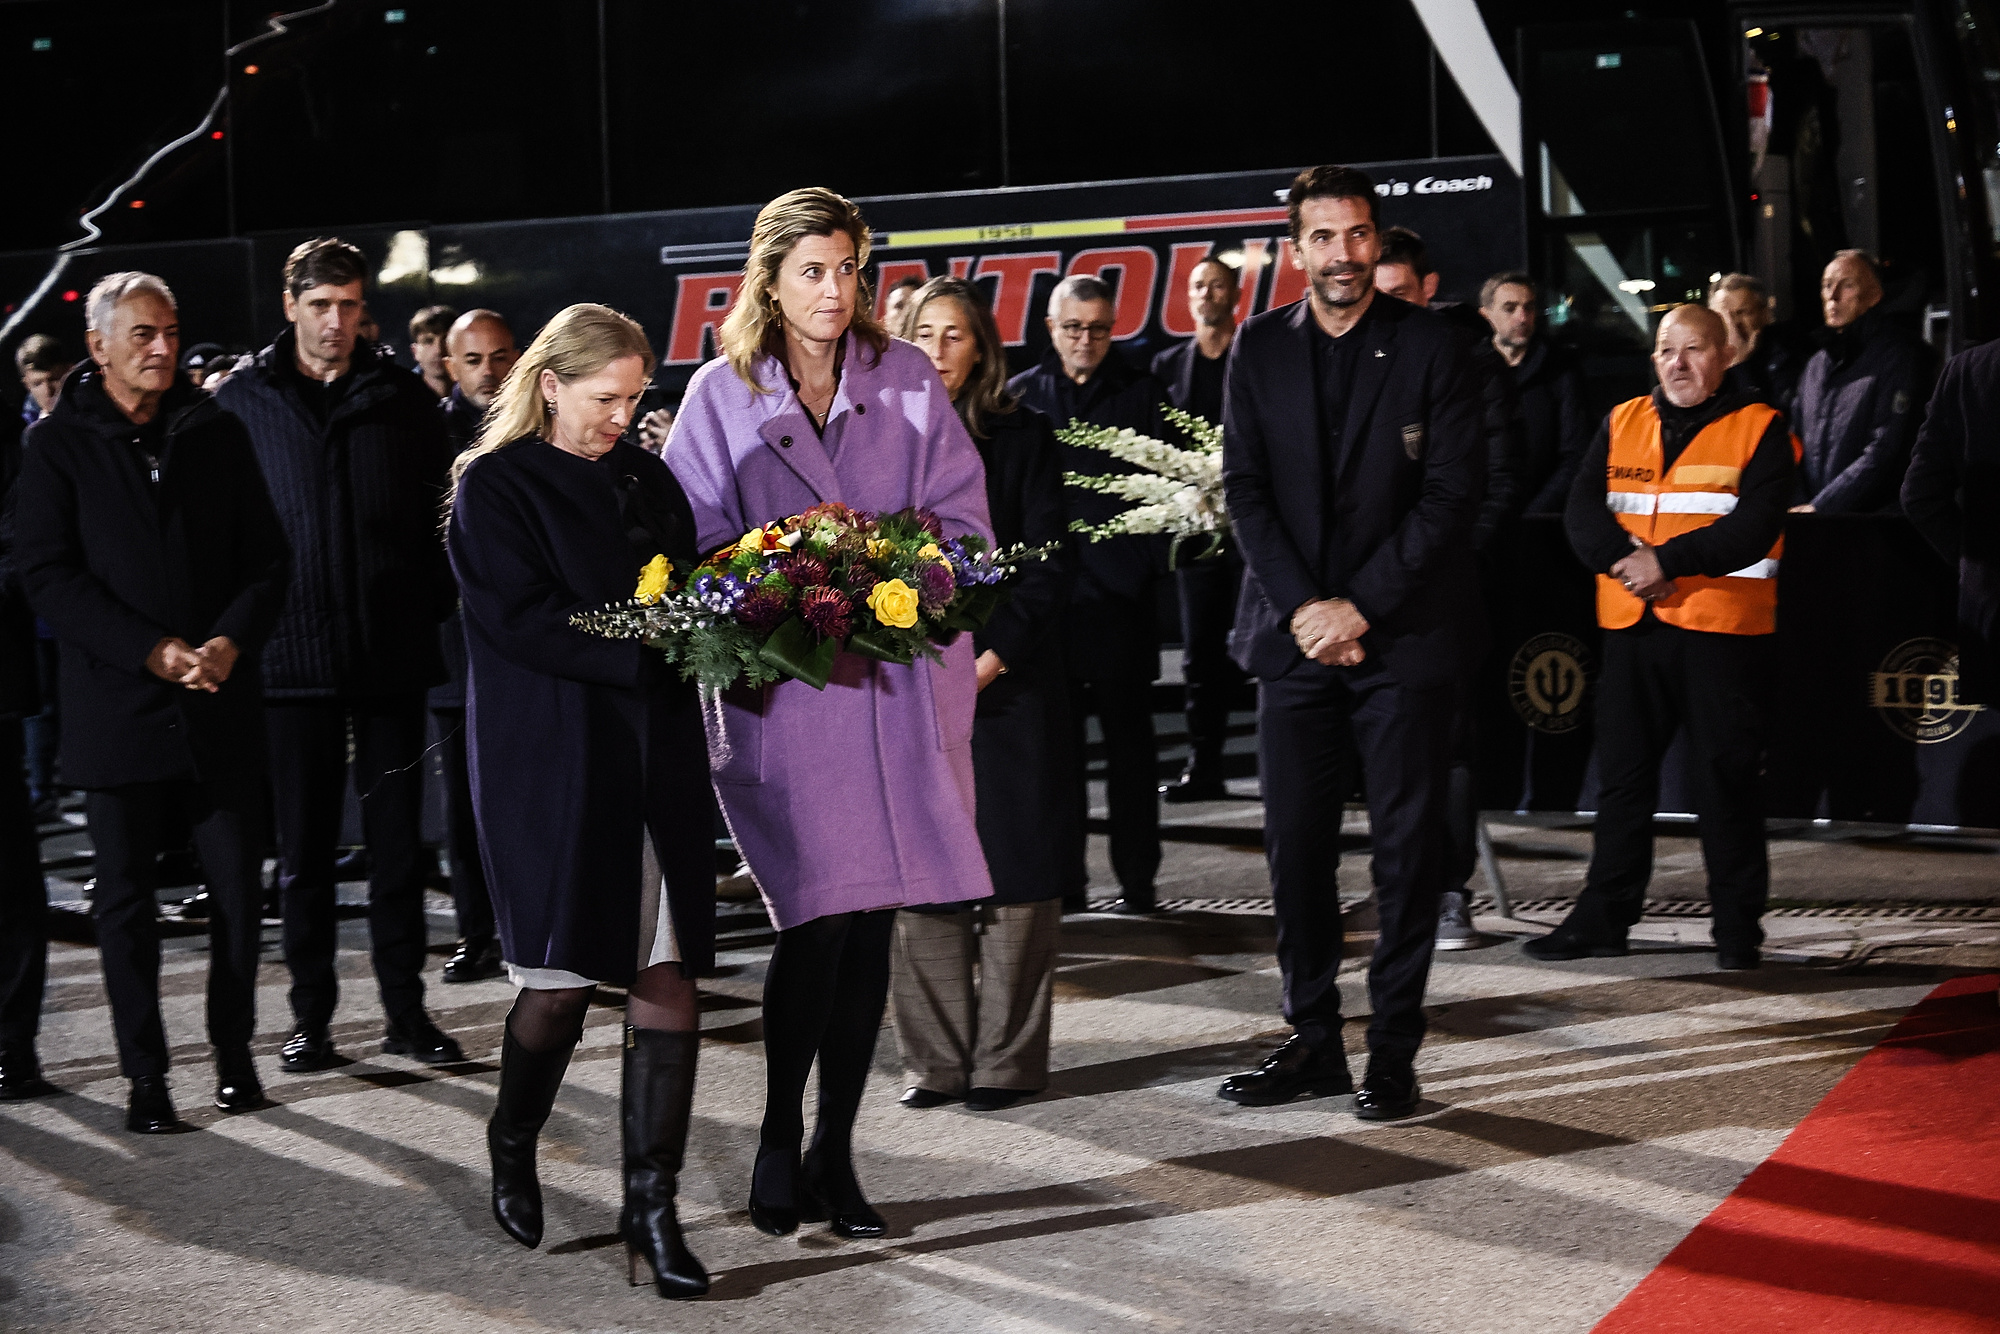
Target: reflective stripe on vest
{"type": "Point", "coordinates": [1656, 504]}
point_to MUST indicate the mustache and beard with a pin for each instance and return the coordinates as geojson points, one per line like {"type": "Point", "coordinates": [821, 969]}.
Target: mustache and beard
{"type": "Point", "coordinates": [1343, 283]}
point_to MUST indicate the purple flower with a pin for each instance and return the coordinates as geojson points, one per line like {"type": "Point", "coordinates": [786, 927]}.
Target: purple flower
{"type": "Point", "coordinates": [935, 588]}
{"type": "Point", "coordinates": [719, 593]}
{"type": "Point", "coordinates": [929, 522]}
{"type": "Point", "coordinates": [805, 571]}
{"type": "Point", "coordinates": [827, 611]}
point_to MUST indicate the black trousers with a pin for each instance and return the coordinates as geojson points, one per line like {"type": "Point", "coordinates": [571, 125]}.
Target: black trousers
{"type": "Point", "coordinates": [469, 897]}
{"type": "Point", "coordinates": [1313, 727]}
{"type": "Point", "coordinates": [128, 828]}
{"type": "Point", "coordinates": [1124, 712]}
{"type": "Point", "coordinates": [1208, 590]}
{"type": "Point", "coordinates": [309, 741]}
{"type": "Point", "coordinates": [24, 903]}
{"type": "Point", "coordinates": [1659, 680]}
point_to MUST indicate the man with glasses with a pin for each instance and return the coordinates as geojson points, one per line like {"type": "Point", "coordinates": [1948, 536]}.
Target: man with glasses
{"type": "Point", "coordinates": [1110, 639]}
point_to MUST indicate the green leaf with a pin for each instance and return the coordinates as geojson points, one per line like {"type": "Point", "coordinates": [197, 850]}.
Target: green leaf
{"type": "Point", "coordinates": [792, 650]}
{"type": "Point", "coordinates": [882, 645]}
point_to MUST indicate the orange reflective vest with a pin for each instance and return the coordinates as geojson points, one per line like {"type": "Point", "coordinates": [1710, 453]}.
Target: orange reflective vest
{"type": "Point", "coordinates": [1655, 504]}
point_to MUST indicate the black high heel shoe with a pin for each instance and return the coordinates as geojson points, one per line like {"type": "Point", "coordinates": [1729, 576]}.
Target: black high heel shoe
{"type": "Point", "coordinates": [528, 1084]}
{"type": "Point", "coordinates": [834, 1197]}
{"type": "Point", "coordinates": [769, 1217]}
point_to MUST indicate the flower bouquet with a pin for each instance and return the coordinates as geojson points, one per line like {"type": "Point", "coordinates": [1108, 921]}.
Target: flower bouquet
{"type": "Point", "coordinates": [784, 600]}
{"type": "Point", "coordinates": [1178, 491]}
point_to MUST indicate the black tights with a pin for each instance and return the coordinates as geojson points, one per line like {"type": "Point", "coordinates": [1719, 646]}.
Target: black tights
{"type": "Point", "coordinates": [824, 996]}
{"type": "Point", "coordinates": [660, 998]}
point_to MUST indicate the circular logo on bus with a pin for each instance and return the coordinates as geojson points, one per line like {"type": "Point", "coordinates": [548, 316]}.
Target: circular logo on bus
{"type": "Point", "coordinates": [1547, 680]}
{"type": "Point", "coordinates": [1915, 692]}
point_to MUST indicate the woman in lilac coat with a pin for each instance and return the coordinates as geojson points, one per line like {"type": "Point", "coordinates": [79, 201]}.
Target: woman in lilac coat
{"type": "Point", "coordinates": [851, 802]}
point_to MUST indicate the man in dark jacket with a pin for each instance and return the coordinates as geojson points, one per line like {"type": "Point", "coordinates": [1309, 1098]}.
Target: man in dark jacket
{"type": "Point", "coordinates": [479, 351]}
{"type": "Point", "coordinates": [1859, 399]}
{"type": "Point", "coordinates": [1952, 495]}
{"type": "Point", "coordinates": [144, 536]}
{"type": "Point", "coordinates": [1354, 460]}
{"type": "Point", "coordinates": [1765, 360]}
{"type": "Point", "coordinates": [24, 896]}
{"type": "Point", "coordinates": [1548, 389]}
{"type": "Point", "coordinates": [354, 454]}
{"type": "Point", "coordinates": [1111, 644]}
{"type": "Point", "coordinates": [1190, 373]}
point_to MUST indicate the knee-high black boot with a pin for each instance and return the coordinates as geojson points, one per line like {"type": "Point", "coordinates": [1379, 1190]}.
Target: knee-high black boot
{"type": "Point", "coordinates": [528, 1084]}
{"type": "Point", "coordinates": [658, 1099]}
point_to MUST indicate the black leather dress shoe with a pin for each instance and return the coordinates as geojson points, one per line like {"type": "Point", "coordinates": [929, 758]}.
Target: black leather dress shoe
{"type": "Point", "coordinates": [1292, 1069]}
{"type": "Point", "coordinates": [919, 1099]}
{"type": "Point", "coordinates": [237, 1088]}
{"type": "Point", "coordinates": [1738, 959]}
{"type": "Point", "coordinates": [994, 1100]}
{"type": "Point", "coordinates": [307, 1050]}
{"type": "Point", "coordinates": [1136, 905]}
{"type": "Point", "coordinates": [1568, 942]}
{"type": "Point", "coordinates": [1194, 787]}
{"type": "Point", "coordinates": [473, 961]}
{"type": "Point", "coordinates": [151, 1110]}
{"type": "Point", "coordinates": [21, 1077]}
{"type": "Point", "coordinates": [417, 1037]}
{"type": "Point", "coordinates": [1387, 1094]}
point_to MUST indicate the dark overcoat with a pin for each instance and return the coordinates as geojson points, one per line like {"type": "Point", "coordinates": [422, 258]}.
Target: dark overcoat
{"type": "Point", "coordinates": [1109, 631]}
{"type": "Point", "coordinates": [1952, 495]}
{"type": "Point", "coordinates": [359, 496]}
{"type": "Point", "coordinates": [578, 744]}
{"type": "Point", "coordinates": [1858, 405]}
{"type": "Point", "coordinates": [1386, 523]}
{"type": "Point", "coordinates": [116, 562]}
{"type": "Point", "coordinates": [1023, 743]}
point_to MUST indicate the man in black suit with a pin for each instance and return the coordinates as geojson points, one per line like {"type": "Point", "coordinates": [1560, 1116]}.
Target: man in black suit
{"type": "Point", "coordinates": [1952, 495]}
{"type": "Point", "coordinates": [1354, 463]}
{"type": "Point", "coordinates": [145, 537]}
{"type": "Point", "coordinates": [1191, 375]}
{"type": "Point", "coordinates": [1110, 642]}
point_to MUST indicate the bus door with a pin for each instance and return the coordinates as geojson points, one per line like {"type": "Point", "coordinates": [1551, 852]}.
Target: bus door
{"type": "Point", "coordinates": [1849, 116]}
{"type": "Point", "coordinates": [1628, 196]}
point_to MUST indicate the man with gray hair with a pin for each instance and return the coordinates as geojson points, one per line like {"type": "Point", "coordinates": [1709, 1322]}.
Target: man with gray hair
{"type": "Point", "coordinates": [144, 536]}
{"type": "Point", "coordinates": [1110, 640]}
{"type": "Point", "coordinates": [1860, 399]}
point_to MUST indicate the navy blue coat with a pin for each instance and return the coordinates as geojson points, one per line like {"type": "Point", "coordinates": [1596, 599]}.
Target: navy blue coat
{"type": "Point", "coordinates": [1858, 405]}
{"type": "Point", "coordinates": [360, 498]}
{"type": "Point", "coordinates": [578, 744]}
{"type": "Point", "coordinates": [1952, 495]}
{"type": "Point", "coordinates": [116, 562]}
{"type": "Point", "coordinates": [1391, 529]}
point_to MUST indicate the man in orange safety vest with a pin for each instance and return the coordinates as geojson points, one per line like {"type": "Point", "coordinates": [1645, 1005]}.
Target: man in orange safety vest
{"type": "Point", "coordinates": [1680, 508]}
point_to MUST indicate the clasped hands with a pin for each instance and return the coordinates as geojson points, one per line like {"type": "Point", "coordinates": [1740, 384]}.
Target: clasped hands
{"type": "Point", "coordinates": [1329, 630]}
{"type": "Point", "coordinates": [1641, 574]}
{"type": "Point", "coordinates": [205, 668]}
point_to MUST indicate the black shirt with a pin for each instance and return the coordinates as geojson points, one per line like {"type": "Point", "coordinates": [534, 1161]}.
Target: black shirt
{"type": "Point", "coordinates": [1334, 360]}
{"type": "Point", "coordinates": [1205, 387]}
{"type": "Point", "coordinates": [319, 396]}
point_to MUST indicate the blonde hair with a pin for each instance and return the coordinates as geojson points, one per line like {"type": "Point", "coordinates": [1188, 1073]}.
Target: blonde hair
{"type": "Point", "coordinates": [580, 341]}
{"type": "Point", "coordinates": [755, 327]}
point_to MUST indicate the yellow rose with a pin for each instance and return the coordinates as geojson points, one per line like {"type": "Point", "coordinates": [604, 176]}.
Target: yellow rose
{"type": "Point", "coordinates": [879, 547]}
{"type": "Point", "coordinates": [929, 551]}
{"type": "Point", "coordinates": [894, 603]}
{"type": "Point", "coordinates": [653, 580]}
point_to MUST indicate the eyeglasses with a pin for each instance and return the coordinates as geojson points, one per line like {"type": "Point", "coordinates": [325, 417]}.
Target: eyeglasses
{"type": "Point", "coordinates": [1075, 329]}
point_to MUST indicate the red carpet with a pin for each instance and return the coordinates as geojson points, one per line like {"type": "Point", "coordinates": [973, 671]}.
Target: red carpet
{"type": "Point", "coordinates": [1881, 1212]}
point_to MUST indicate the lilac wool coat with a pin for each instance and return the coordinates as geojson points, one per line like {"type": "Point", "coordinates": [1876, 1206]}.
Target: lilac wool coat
{"type": "Point", "coordinates": [859, 796]}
